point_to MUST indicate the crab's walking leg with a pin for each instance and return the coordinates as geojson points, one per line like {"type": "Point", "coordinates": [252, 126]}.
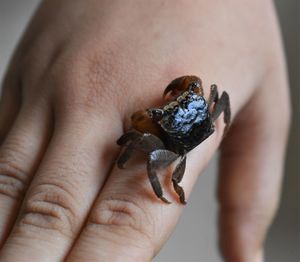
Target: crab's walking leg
{"type": "Point", "coordinates": [126, 154]}
{"type": "Point", "coordinates": [177, 177]}
{"type": "Point", "coordinates": [129, 136]}
{"type": "Point", "coordinates": [144, 142]}
{"type": "Point", "coordinates": [159, 159]}
{"type": "Point", "coordinates": [222, 104]}
{"type": "Point", "coordinates": [213, 96]}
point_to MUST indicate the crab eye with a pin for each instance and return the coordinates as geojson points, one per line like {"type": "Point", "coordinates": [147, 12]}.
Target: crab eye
{"type": "Point", "coordinates": [194, 86]}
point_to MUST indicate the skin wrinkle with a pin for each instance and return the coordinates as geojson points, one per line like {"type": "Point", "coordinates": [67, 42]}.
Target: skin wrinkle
{"type": "Point", "coordinates": [13, 180]}
{"type": "Point", "coordinates": [13, 171]}
{"type": "Point", "coordinates": [38, 194]}
{"type": "Point", "coordinates": [122, 237]}
{"type": "Point", "coordinates": [56, 204]}
{"type": "Point", "coordinates": [60, 182]}
{"type": "Point", "coordinates": [47, 215]}
{"type": "Point", "coordinates": [112, 211]}
{"type": "Point", "coordinates": [11, 186]}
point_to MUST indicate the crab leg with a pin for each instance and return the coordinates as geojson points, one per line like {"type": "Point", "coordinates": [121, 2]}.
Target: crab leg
{"type": "Point", "coordinates": [222, 105]}
{"type": "Point", "coordinates": [177, 177]}
{"type": "Point", "coordinates": [131, 135]}
{"type": "Point", "coordinates": [143, 142]}
{"type": "Point", "coordinates": [213, 96]}
{"type": "Point", "coordinates": [158, 159]}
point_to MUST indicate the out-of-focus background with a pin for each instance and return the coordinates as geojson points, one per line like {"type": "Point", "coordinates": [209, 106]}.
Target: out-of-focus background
{"type": "Point", "coordinates": [195, 238]}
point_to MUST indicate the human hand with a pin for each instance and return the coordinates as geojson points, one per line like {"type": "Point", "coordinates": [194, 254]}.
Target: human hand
{"type": "Point", "coordinates": [81, 70]}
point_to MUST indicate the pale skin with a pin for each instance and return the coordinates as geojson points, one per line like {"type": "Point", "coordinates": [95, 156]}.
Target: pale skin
{"type": "Point", "coordinates": [80, 71]}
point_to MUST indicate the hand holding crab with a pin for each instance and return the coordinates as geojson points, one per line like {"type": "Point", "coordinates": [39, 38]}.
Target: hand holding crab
{"type": "Point", "coordinates": [171, 131]}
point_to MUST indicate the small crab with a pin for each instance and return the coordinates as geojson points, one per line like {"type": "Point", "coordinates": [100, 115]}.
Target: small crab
{"type": "Point", "coordinates": [171, 131]}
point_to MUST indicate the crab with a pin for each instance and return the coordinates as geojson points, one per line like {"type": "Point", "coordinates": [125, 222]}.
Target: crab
{"type": "Point", "coordinates": [169, 132]}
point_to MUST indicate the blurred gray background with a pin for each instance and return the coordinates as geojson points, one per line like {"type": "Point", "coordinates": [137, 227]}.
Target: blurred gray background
{"type": "Point", "coordinates": [195, 238]}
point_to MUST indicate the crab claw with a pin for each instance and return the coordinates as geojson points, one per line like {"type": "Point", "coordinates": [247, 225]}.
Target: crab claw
{"type": "Point", "coordinates": [182, 84]}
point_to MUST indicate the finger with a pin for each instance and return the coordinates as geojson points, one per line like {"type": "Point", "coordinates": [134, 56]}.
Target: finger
{"type": "Point", "coordinates": [62, 192]}
{"type": "Point", "coordinates": [251, 172]}
{"type": "Point", "coordinates": [19, 157]}
{"type": "Point", "coordinates": [10, 102]}
{"type": "Point", "coordinates": [128, 222]}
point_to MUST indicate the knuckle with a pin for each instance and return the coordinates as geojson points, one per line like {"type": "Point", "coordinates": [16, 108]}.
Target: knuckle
{"type": "Point", "coordinates": [88, 81]}
{"type": "Point", "coordinates": [52, 207]}
{"type": "Point", "coordinates": [120, 212]}
{"type": "Point", "coordinates": [13, 180]}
